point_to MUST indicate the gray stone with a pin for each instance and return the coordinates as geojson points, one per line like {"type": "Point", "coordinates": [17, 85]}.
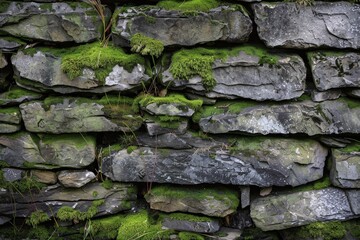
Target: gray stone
{"type": "Point", "coordinates": [154, 128]}
{"type": "Point", "coordinates": [247, 161]}
{"type": "Point", "coordinates": [209, 201]}
{"type": "Point", "coordinates": [16, 95]}
{"type": "Point", "coordinates": [328, 117]}
{"type": "Point", "coordinates": [334, 69]}
{"type": "Point", "coordinates": [246, 76]}
{"type": "Point", "coordinates": [54, 22]}
{"type": "Point", "coordinates": [354, 93]}
{"type": "Point", "coordinates": [23, 150]}
{"type": "Point", "coordinates": [334, 142]}
{"type": "Point", "coordinates": [345, 168]}
{"type": "Point", "coordinates": [354, 196]}
{"type": "Point", "coordinates": [9, 45]}
{"type": "Point", "coordinates": [10, 119]}
{"type": "Point", "coordinates": [176, 28]}
{"type": "Point", "coordinates": [323, 24]}
{"type": "Point", "coordinates": [245, 196]}
{"type": "Point", "coordinates": [229, 234]}
{"type": "Point", "coordinates": [43, 176]}
{"type": "Point", "coordinates": [301, 208]}
{"type": "Point", "coordinates": [169, 109]}
{"type": "Point", "coordinates": [241, 219]}
{"type": "Point", "coordinates": [332, 94]}
{"type": "Point", "coordinates": [12, 174]}
{"type": "Point", "coordinates": [74, 115]}
{"type": "Point", "coordinates": [42, 72]}
{"type": "Point", "coordinates": [75, 178]}
{"type": "Point", "coordinates": [4, 71]}
{"type": "Point", "coordinates": [191, 226]}
{"type": "Point", "coordinates": [51, 199]}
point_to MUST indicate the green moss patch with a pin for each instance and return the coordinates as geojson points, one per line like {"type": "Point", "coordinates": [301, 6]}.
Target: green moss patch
{"type": "Point", "coordinates": [316, 185]}
{"type": "Point", "coordinates": [79, 140]}
{"type": "Point", "coordinates": [190, 236]}
{"type": "Point", "coordinates": [106, 228]}
{"type": "Point", "coordinates": [189, 5]}
{"type": "Point", "coordinates": [322, 230]}
{"type": "Point", "coordinates": [353, 147]}
{"type": "Point", "coordinates": [37, 217]}
{"type": "Point", "coordinates": [188, 63]}
{"type": "Point", "coordinates": [351, 103]}
{"type": "Point", "coordinates": [10, 110]}
{"type": "Point", "coordinates": [146, 45]}
{"type": "Point", "coordinates": [187, 217]}
{"type": "Point", "coordinates": [26, 184]}
{"type": "Point", "coordinates": [66, 213]}
{"type": "Point", "coordinates": [16, 92]}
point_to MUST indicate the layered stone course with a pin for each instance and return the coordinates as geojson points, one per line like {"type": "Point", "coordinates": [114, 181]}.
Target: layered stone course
{"type": "Point", "coordinates": [179, 120]}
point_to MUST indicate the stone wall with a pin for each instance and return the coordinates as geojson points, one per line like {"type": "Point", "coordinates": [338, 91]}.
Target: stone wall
{"type": "Point", "coordinates": [198, 119]}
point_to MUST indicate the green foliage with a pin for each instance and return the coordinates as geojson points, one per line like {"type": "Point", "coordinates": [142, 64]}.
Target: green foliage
{"type": "Point", "coordinates": [66, 213]}
{"type": "Point", "coordinates": [107, 184]}
{"type": "Point", "coordinates": [26, 184]}
{"type": "Point", "coordinates": [146, 45]}
{"type": "Point", "coordinates": [130, 149]}
{"type": "Point", "coordinates": [37, 217]}
{"type": "Point", "coordinates": [190, 236]}
{"type": "Point", "coordinates": [323, 230]}
{"type": "Point", "coordinates": [106, 228]}
{"type": "Point", "coordinates": [10, 110]}
{"type": "Point", "coordinates": [189, 5]}
{"type": "Point", "coordinates": [353, 147]}
{"type": "Point", "coordinates": [16, 92]}
{"type": "Point", "coordinates": [316, 185]}
{"type": "Point", "coordinates": [188, 217]}
{"type": "Point", "coordinates": [137, 226]}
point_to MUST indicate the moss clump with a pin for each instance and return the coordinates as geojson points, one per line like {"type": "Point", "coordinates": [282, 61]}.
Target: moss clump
{"type": "Point", "coordinates": [353, 147]}
{"type": "Point", "coordinates": [106, 228]}
{"type": "Point", "coordinates": [130, 149]}
{"type": "Point", "coordinates": [323, 230]}
{"type": "Point", "coordinates": [325, 182]}
{"type": "Point", "coordinates": [188, 217]}
{"type": "Point", "coordinates": [10, 110]}
{"type": "Point", "coordinates": [189, 5]}
{"type": "Point", "coordinates": [166, 121]}
{"type": "Point", "coordinates": [26, 184]}
{"type": "Point", "coordinates": [107, 184]}
{"type": "Point", "coordinates": [137, 226]}
{"type": "Point", "coordinates": [351, 103]}
{"type": "Point", "coordinates": [228, 196]}
{"type": "Point", "coordinates": [190, 236]}
{"type": "Point", "coordinates": [37, 217]}
{"type": "Point", "coordinates": [188, 63]}
{"type": "Point", "coordinates": [146, 45]}
{"type": "Point", "coordinates": [66, 213]}
{"type": "Point", "coordinates": [16, 92]}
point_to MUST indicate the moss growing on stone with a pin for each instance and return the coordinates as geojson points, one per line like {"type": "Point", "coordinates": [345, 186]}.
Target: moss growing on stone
{"type": "Point", "coordinates": [106, 228]}
{"type": "Point", "coordinates": [16, 92]}
{"type": "Point", "coordinates": [145, 100]}
{"type": "Point", "coordinates": [146, 45]}
{"type": "Point", "coordinates": [130, 149]}
{"type": "Point", "coordinates": [353, 147]}
{"type": "Point", "coordinates": [323, 230]}
{"type": "Point", "coordinates": [166, 121]}
{"type": "Point", "coordinates": [80, 141]}
{"type": "Point", "coordinates": [37, 217]}
{"type": "Point", "coordinates": [189, 5]}
{"type": "Point", "coordinates": [351, 103]}
{"type": "Point", "coordinates": [187, 217]}
{"type": "Point", "coordinates": [322, 183]}
{"type": "Point", "coordinates": [137, 226]}
{"type": "Point", "coordinates": [190, 236]}
{"type": "Point", "coordinates": [188, 63]}
{"type": "Point", "coordinates": [10, 110]}
{"type": "Point", "coordinates": [26, 184]}
{"type": "Point", "coordinates": [66, 213]}
{"type": "Point", "coordinates": [107, 184]}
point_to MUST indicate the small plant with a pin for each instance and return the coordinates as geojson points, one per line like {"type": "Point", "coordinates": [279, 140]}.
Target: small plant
{"type": "Point", "coordinates": [37, 217]}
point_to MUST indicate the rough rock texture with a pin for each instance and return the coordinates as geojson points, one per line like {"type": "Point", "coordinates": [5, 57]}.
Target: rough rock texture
{"type": "Point", "coordinates": [207, 201]}
{"type": "Point", "coordinates": [154, 128]}
{"type": "Point", "coordinates": [246, 76]}
{"type": "Point", "coordinates": [301, 208]}
{"type": "Point", "coordinates": [10, 119]}
{"type": "Point", "coordinates": [345, 168]}
{"type": "Point", "coordinates": [176, 28]}
{"type": "Point", "coordinates": [191, 226]}
{"type": "Point", "coordinates": [9, 45]}
{"type": "Point", "coordinates": [4, 72]}
{"type": "Point", "coordinates": [56, 22]}
{"type": "Point", "coordinates": [42, 72]}
{"type": "Point", "coordinates": [73, 115]}
{"type": "Point", "coordinates": [23, 150]}
{"type": "Point", "coordinates": [16, 95]}
{"type": "Point", "coordinates": [328, 117]}
{"type": "Point", "coordinates": [332, 94]}
{"type": "Point", "coordinates": [12, 174]}
{"type": "Point", "coordinates": [334, 69]}
{"type": "Point", "coordinates": [75, 178]}
{"type": "Point", "coordinates": [169, 109]}
{"type": "Point", "coordinates": [261, 162]}
{"type": "Point", "coordinates": [51, 199]}
{"type": "Point", "coordinates": [323, 24]}
{"type": "Point", "coordinates": [354, 93]}
{"type": "Point", "coordinates": [43, 176]}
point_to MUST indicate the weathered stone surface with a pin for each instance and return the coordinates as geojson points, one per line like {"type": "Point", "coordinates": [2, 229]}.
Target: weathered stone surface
{"type": "Point", "coordinates": [248, 161]}
{"type": "Point", "coordinates": [42, 72]}
{"type": "Point", "coordinates": [51, 199]}
{"type": "Point", "coordinates": [216, 202]}
{"type": "Point", "coordinates": [229, 234]}
{"type": "Point", "coordinates": [354, 93]}
{"type": "Point", "coordinates": [169, 109]}
{"type": "Point", "coordinates": [55, 22]}
{"type": "Point", "coordinates": [176, 28]}
{"type": "Point", "coordinates": [323, 24]}
{"type": "Point", "coordinates": [336, 142]}
{"type": "Point", "coordinates": [9, 45]}
{"type": "Point", "coordinates": [73, 115]}
{"type": "Point", "coordinates": [75, 178]}
{"type": "Point", "coordinates": [334, 69]}
{"type": "Point", "coordinates": [10, 119]}
{"type": "Point", "coordinates": [245, 196]}
{"type": "Point", "coordinates": [12, 174]}
{"type": "Point", "coordinates": [345, 167]}
{"type": "Point", "coordinates": [51, 151]}
{"type": "Point", "coordinates": [301, 208]}
{"type": "Point", "coordinates": [241, 219]}
{"type": "Point", "coordinates": [328, 117]}
{"type": "Point", "coordinates": [246, 76]}
{"type": "Point", "coordinates": [4, 72]}
{"type": "Point", "coordinates": [354, 196]}
{"type": "Point", "coordinates": [332, 94]}
{"type": "Point", "coordinates": [191, 226]}
{"type": "Point", "coordinates": [17, 95]}
{"type": "Point", "coordinates": [44, 176]}
{"type": "Point", "coordinates": [154, 128]}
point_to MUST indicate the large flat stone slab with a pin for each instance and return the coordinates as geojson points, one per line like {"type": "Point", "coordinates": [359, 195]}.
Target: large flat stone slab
{"type": "Point", "coordinates": [301, 208]}
{"type": "Point", "coordinates": [328, 117]}
{"type": "Point", "coordinates": [323, 24]}
{"type": "Point", "coordinates": [247, 72]}
{"type": "Point", "coordinates": [335, 69]}
{"type": "Point", "coordinates": [243, 161]}
{"type": "Point", "coordinates": [74, 115]}
{"type": "Point", "coordinates": [52, 22]}
{"type": "Point", "coordinates": [25, 149]}
{"type": "Point", "coordinates": [174, 27]}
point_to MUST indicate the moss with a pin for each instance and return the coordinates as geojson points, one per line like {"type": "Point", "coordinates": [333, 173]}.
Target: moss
{"type": "Point", "coordinates": [323, 230]}
{"type": "Point", "coordinates": [106, 228]}
{"type": "Point", "coordinates": [171, 98]}
{"type": "Point", "coordinates": [106, 151]}
{"type": "Point", "coordinates": [79, 140]}
{"type": "Point", "coordinates": [353, 147]}
{"type": "Point", "coordinates": [16, 92]}
{"type": "Point", "coordinates": [26, 184]}
{"type": "Point", "coordinates": [10, 110]}
{"type": "Point", "coordinates": [351, 103]}
{"type": "Point", "coordinates": [353, 226]}
{"type": "Point", "coordinates": [166, 121]}
{"type": "Point", "coordinates": [107, 184]}
{"type": "Point", "coordinates": [37, 217]}
{"type": "Point", "coordinates": [146, 45]}
{"type": "Point", "coordinates": [189, 5]}
{"type": "Point", "coordinates": [316, 185]}
{"type": "Point", "coordinates": [66, 213]}
{"type": "Point", "coordinates": [188, 63]}
{"type": "Point", "coordinates": [4, 6]}
{"type": "Point", "coordinates": [3, 164]}
{"type": "Point", "coordinates": [190, 236]}
{"type": "Point", "coordinates": [187, 217]}
{"type": "Point", "coordinates": [130, 149]}
{"type": "Point", "coordinates": [199, 193]}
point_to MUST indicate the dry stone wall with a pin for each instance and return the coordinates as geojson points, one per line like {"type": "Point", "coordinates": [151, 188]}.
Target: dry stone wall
{"type": "Point", "coordinates": [179, 120]}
